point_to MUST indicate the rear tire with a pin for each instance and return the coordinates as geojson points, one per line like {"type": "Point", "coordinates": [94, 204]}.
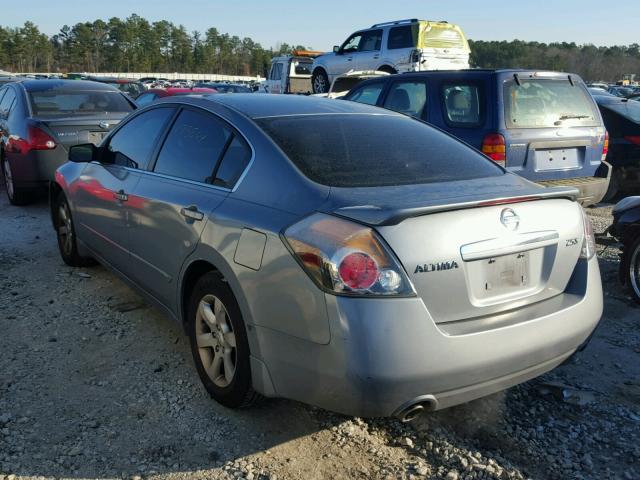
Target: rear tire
{"type": "Point", "coordinates": [219, 344]}
{"type": "Point", "coordinates": [613, 190]}
{"type": "Point", "coordinates": [631, 266]}
{"type": "Point", "coordinates": [16, 196]}
{"type": "Point", "coordinates": [66, 235]}
{"type": "Point", "coordinates": [320, 81]}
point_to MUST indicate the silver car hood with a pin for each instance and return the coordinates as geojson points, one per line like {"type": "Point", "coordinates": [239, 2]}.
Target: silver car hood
{"type": "Point", "coordinates": [391, 205]}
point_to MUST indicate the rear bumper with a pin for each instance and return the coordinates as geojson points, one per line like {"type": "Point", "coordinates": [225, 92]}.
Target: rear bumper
{"type": "Point", "coordinates": [592, 189]}
{"type": "Point", "coordinates": [387, 354]}
{"type": "Point", "coordinates": [37, 168]}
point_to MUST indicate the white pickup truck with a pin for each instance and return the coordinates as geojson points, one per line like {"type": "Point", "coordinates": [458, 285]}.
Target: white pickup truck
{"type": "Point", "coordinates": [290, 73]}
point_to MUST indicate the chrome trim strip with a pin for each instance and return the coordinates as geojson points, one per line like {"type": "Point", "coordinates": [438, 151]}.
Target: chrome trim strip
{"type": "Point", "coordinates": [496, 247]}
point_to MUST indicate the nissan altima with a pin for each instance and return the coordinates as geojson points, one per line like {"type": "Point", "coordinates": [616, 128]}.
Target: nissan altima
{"type": "Point", "coordinates": [331, 252]}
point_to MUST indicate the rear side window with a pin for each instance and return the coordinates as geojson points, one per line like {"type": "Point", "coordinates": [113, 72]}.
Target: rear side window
{"type": "Point", "coordinates": [234, 162]}
{"type": "Point", "coordinates": [548, 103]}
{"type": "Point", "coordinates": [193, 147]}
{"type": "Point", "coordinates": [407, 97]}
{"type": "Point", "coordinates": [364, 150]}
{"type": "Point", "coordinates": [403, 37]}
{"type": "Point", "coordinates": [132, 145]}
{"type": "Point", "coordinates": [368, 94]}
{"type": "Point", "coordinates": [7, 102]}
{"type": "Point", "coordinates": [462, 105]}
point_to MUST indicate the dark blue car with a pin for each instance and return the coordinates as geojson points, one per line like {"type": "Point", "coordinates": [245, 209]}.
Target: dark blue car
{"type": "Point", "coordinates": [544, 126]}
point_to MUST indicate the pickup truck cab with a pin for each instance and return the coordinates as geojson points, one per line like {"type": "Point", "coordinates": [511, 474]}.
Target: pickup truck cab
{"type": "Point", "coordinates": [543, 126]}
{"type": "Point", "coordinates": [290, 73]}
{"type": "Point", "coordinates": [410, 45]}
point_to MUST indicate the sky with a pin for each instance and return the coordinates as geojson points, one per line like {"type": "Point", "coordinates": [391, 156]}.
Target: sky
{"type": "Point", "coordinates": [273, 22]}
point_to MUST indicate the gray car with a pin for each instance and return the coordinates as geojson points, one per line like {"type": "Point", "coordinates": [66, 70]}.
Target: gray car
{"type": "Point", "coordinates": [333, 253]}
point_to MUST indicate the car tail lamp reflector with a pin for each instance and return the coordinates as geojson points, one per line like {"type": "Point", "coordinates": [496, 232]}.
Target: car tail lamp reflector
{"type": "Point", "coordinates": [635, 139]}
{"type": "Point", "coordinates": [346, 258]}
{"type": "Point", "coordinates": [589, 242]}
{"type": "Point", "coordinates": [605, 148]}
{"type": "Point", "coordinates": [495, 147]}
{"type": "Point", "coordinates": [36, 139]}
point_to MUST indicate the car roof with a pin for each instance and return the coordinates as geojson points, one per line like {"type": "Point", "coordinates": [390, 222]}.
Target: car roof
{"type": "Point", "coordinates": [256, 105]}
{"type": "Point", "coordinates": [71, 85]}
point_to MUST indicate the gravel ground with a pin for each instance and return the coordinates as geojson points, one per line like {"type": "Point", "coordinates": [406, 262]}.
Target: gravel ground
{"type": "Point", "coordinates": [96, 384]}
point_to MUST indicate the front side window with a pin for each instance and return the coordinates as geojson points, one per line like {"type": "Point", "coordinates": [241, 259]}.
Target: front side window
{"type": "Point", "coordinates": [132, 145]}
{"type": "Point", "coordinates": [352, 43]}
{"type": "Point", "coordinates": [405, 36]}
{"type": "Point", "coordinates": [368, 94]}
{"type": "Point", "coordinates": [365, 150]}
{"type": "Point", "coordinates": [547, 103]}
{"type": "Point", "coordinates": [407, 97]}
{"type": "Point", "coordinates": [58, 102]}
{"type": "Point", "coordinates": [276, 73]}
{"type": "Point", "coordinates": [462, 104]}
{"type": "Point", "coordinates": [371, 41]}
{"type": "Point", "coordinates": [193, 147]}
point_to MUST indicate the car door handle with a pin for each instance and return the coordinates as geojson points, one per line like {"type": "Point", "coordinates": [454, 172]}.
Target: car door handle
{"type": "Point", "coordinates": [120, 195]}
{"type": "Point", "coordinates": [192, 213]}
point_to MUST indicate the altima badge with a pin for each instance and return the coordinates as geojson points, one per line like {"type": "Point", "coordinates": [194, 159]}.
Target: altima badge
{"type": "Point", "coordinates": [436, 267]}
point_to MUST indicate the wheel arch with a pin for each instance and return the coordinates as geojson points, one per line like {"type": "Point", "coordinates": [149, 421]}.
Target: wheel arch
{"type": "Point", "coordinates": [385, 67]}
{"type": "Point", "coordinates": [54, 190]}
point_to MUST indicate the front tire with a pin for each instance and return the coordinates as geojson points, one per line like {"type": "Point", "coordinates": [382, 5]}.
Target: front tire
{"type": "Point", "coordinates": [219, 344]}
{"type": "Point", "coordinates": [66, 234]}
{"type": "Point", "coordinates": [16, 196]}
{"type": "Point", "coordinates": [631, 267]}
{"type": "Point", "coordinates": [320, 81]}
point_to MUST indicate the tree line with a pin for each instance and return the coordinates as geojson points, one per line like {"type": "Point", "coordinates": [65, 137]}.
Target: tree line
{"type": "Point", "coordinates": [137, 45]}
{"type": "Point", "coordinates": [132, 45]}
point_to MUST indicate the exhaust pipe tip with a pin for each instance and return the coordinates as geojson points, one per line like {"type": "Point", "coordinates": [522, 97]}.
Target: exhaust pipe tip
{"type": "Point", "coordinates": [413, 409]}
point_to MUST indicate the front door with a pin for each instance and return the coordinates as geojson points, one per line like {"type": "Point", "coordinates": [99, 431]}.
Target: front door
{"type": "Point", "coordinates": [102, 194]}
{"type": "Point", "coordinates": [368, 56]}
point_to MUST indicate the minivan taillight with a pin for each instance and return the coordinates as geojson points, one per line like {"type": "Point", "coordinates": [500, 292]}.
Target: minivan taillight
{"type": "Point", "coordinates": [495, 147]}
{"type": "Point", "coordinates": [37, 139]}
{"type": "Point", "coordinates": [605, 149]}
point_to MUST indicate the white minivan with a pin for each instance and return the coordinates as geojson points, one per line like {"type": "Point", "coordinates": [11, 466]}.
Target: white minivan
{"type": "Point", "coordinates": [400, 46]}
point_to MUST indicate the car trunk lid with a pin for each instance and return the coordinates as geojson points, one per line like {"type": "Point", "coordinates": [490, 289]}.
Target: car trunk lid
{"type": "Point", "coordinates": [71, 131]}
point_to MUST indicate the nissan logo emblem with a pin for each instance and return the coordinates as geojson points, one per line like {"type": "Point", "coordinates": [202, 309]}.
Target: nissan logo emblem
{"type": "Point", "coordinates": [510, 219]}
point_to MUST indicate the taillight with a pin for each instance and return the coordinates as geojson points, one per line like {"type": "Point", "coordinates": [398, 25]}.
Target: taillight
{"type": "Point", "coordinates": [495, 147]}
{"type": "Point", "coordinates": [605, 149]}
{"type": "Point", "coordinates": [415, 56]}
{"type": "Point", "coordinates": [635, 139]}
{"type": "Point", "coordinates": [346, 258]}
{"type": "Point", "coordinates": [589, 242]}
{"type": "Point", "coordinates": [37, 139]}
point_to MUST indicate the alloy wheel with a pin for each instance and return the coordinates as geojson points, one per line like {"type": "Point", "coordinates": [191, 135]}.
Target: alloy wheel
{"type": "Point", "coordinates": [216, 341]}
{"type": "Point", "coordinates": [65, 229]}
{"type": "Point", "coordinates": [319, 84]}
{"type": "Point", "coordinates": [8, 178]}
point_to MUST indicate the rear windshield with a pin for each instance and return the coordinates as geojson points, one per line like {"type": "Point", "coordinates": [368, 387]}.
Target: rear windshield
{"type": "Point", "coordinates": [629, 109]}
{"type": "Point", "coordinates": [63, 102]}
{"type": "Point", "coordinates": [364, 150]}
{"type": "Point", "coordinates": [548, 103]}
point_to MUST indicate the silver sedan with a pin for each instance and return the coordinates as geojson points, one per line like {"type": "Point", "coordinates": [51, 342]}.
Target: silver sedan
{"type": "Point", "coordinates": [333, 253]}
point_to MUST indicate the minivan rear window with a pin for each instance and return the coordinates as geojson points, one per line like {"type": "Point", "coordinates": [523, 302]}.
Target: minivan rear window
{"type": "Point", "coordinates": [366, 150]}
{"type": "Point", "coordinates": [548, 103]}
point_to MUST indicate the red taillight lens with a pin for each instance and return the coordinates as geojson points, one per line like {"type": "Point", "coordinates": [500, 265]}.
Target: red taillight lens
{"type": "Point", "coordinates": [495, 147]}
{"type": "Point", "coordinates": [635, 139]}
{"type": "Point", "coordinates": [346, 258]}
{"type": "Point", "coordinates": [40, 140]}
{"type": "Point", "coordinates": [36, 139]}
{"type": "Point", "coordinates": [605, 148]}
{"type": "Point", "coordinates": [358, 271]}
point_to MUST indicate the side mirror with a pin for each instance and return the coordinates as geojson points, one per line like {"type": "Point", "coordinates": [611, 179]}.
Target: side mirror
{"type": "Point", "coordinates": [84, 153]}
{"type": "Point", "coordinates": [336, 49]}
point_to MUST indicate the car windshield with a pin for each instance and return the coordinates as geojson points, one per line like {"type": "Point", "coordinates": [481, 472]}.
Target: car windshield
{"type": "Point", "coordinates": [63, 102]}
{"type": "Point", "coordinates": [547, 103]}
{"type": "Point", "coordinates": [365, 150]}
{"type": "Point", "coordinates": [629, 110]}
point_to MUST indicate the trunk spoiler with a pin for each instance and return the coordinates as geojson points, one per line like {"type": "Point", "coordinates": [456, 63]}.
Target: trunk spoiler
{"type": "Point", "coordinates": [384, 216]}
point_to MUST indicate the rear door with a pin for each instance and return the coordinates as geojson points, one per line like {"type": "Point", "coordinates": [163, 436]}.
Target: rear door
{"type": "Point", "coordinates": [102, 195]}
{"type": "Point", "coordinates": [553, 127]}
{"type": "Point", "coordinates": [201, 159]}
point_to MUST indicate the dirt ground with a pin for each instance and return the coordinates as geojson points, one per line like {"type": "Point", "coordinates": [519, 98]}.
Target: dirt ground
{"type": "Point", "coordinates": [94, 383]}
